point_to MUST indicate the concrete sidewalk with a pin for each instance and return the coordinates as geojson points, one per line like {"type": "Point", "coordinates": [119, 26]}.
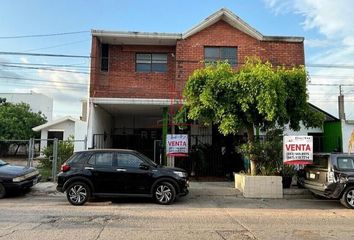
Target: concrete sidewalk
{"type": "Point", "coordinates": [196, 189]}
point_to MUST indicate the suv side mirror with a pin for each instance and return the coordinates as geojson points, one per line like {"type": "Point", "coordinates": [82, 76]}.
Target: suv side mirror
{"type": "Point", "coordinates": [144, 166]}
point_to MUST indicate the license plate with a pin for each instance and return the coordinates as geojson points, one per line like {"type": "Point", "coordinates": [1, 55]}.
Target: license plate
{"type": "Point", "coordinates": [312, 175]}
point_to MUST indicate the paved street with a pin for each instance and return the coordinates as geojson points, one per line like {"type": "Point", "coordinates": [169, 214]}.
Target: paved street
{"type": "Point", "coordinates": [211, 211]}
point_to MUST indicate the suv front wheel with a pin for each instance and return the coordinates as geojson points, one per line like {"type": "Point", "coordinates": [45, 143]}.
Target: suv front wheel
{"type": "Point", "coordinates": [78, 193]}
{"type": "Point", "coordinates": [348, 198]}
{"type": "Point", "coordinates": [164, 193]}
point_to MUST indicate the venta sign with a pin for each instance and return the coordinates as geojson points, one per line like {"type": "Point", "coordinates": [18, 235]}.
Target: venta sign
{"type": "Point", "coordinates": [177, 145]}
{"type": "Point", "coordinates": [297, 149]}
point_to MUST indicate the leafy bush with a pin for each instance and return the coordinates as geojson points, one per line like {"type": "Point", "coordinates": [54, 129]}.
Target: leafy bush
{"type": "Point", "coordinates": [65, 150]}
{"type": "Point", "coordinates": [269, 158]}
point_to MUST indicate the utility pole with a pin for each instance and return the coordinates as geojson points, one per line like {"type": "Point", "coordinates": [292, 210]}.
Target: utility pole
{"type": "Point", "coordinates": [341, 113]}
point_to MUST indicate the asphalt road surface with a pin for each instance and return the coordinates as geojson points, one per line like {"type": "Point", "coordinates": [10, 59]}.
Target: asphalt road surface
{"type": "Point", "coordinates": [207, 213]}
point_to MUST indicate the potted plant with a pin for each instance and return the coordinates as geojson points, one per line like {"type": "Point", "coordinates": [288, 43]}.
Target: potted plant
{"type": "Point", "coordinates": [287, 172]}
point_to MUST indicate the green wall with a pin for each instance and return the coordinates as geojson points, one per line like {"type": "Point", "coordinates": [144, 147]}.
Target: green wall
{"type": "Point", "coordinates": [332, 132]}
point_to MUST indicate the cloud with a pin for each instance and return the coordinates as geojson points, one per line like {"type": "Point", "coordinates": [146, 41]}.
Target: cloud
{"type": "Point", "coordinates": [333, 22]}
{"type": "Point", "coordinates": [24, 60]}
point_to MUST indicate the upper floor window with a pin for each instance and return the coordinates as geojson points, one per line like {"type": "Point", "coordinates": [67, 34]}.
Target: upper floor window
{"type": "Point", "coordinates": [151, 62]}
{"type": "Point", "coordinates": [213, 54]}
{"type": "Point", "coordinates": [104, 57]}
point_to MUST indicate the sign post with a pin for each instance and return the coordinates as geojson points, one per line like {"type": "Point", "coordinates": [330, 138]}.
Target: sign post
{"type": "Point", "coordinates": [177, 145]}
{"type": "Point", "coordinates": [297, 149]}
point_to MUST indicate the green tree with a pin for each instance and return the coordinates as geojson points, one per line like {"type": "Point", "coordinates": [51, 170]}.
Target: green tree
{"type": "Point", "coordinates": [256, 96]}
{"type": "Point", "coordinates": [17, 121]}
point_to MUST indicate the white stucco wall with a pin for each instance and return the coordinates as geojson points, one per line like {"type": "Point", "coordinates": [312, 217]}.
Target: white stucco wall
{"type": "Point", "coordinates": [99, 122]}
{"type": "Point", "coordinates": [302, 132]}
{"type": "Point", "coordinates": [347, 131]}
{"type": "Point", "coordinates": [38, 102]}
{"type": "Point", "coordinates": [80, 136]}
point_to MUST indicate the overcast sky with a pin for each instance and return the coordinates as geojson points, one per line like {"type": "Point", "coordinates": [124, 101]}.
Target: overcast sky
{"type": "Point", "coordinates": [327, 26]}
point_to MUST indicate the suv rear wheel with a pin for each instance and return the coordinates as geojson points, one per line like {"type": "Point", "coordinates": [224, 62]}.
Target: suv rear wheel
{"type": "Point", "coordinates": [164, 193]}
{"type": "Point", "coordinates": [348, 198]}
{"type": "Point", "coordinates": [78, 193]}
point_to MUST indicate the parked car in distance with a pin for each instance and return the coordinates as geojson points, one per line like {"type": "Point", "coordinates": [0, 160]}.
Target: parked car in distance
{"type": "Point", "coordinates": [119, 173]}
{"type": "Point", "coordinates": [16, 177]}
{"type": "Point", "coordinates": [330, 176]}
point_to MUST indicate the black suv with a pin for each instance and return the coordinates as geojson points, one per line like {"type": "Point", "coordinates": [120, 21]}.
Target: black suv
{"type": "Point", "coordinates": [330, 176]}
{"type": "Point", "coordinates": [119, 173]}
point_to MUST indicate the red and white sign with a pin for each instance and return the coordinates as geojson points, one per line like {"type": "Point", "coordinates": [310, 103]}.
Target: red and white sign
{"type": "Point", "coordinates": [297, 149]}
{"type": "Point", "coordinates": [177, 145]}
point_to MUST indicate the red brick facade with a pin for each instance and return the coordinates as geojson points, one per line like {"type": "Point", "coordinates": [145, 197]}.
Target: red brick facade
{"type": "Point", "coordinates": [122, 81]}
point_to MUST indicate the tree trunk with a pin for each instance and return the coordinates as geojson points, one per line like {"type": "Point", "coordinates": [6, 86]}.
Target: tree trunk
{"type": "Point", "coordinates": [250, 135]}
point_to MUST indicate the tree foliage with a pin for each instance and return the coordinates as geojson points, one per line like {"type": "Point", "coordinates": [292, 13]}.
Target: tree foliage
{"type": "Point", "coordinates": [257, 95]}
{"type": "Point", "coordinates": [17, 121]}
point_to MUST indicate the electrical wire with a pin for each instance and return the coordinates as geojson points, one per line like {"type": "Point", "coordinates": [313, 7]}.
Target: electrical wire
{"type": "Point", "coordinates": [43, 35]}
{"type": "Point", "coordinates": [43, 55]}
{"type": "Point", "coordinates": [45, 69]}
{"type": "Point", "coordinates": [42, 80]}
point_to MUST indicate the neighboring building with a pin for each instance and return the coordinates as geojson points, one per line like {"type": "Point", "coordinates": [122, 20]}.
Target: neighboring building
{"type": "Point", "coordinates": [137, 78]}
{"type": "Point", "coordinates": [62, 129]}
{"type": "Point", "coordinates": [38, 102]}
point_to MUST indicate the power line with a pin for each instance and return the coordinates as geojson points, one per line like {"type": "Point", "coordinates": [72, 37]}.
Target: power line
{"type": "Point", "coordinates": [43, 55]}
{"type": "Point", "coordinates": [44, 68]}
{"type": "Point", "coordinates": [42, 80]}
{"type": "Point", "coordinates": [331, 84]}
{"type": "Point", "coordinates": [54, 46]}
{"type": "Point", "coordinates": [73, 65]}
{"type": "Point", "coordinates": [43, 35]}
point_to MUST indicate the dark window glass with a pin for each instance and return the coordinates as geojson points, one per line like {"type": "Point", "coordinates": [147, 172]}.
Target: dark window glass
{"type": "Point", "coordinates": [345, 163]}
{"type": "Point", "coordinates": [101, 159]}
{"type": "Point", "coordinates": [128, 160]}
{"type": "Point", "coordinates": [104, 57]}
{"type": "Point", "coordinates": [79, 157]}
{"type": "Point", "coordinates": [213, 54]}
{"type": "Point", "coordinates": [321, 161]}
{"type": "Point", "coordinates": [151, 62]}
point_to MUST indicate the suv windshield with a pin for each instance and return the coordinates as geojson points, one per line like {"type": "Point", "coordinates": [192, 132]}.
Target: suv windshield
{"type": "Point", "coordinates": [2, 163]}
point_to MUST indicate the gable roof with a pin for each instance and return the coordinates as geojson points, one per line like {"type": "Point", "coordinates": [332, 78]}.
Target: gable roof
{"type": "Point", "coordinates": [236, 22]}
{"type": "Point", "coordinates": [121, 37]}
{"type": "Point", "coordinates": [328, 116]}
{"type": "Point", "coordinates": [55, 122]}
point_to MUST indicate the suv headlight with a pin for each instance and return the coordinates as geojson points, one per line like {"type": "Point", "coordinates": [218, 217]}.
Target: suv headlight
{"type": "Point", "coordinates": [180, 174]}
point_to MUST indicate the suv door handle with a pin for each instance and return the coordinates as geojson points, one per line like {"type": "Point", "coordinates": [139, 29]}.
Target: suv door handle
{"type": "Point", "coordinates": [121, 170]}
{"type": "Point", "coordinates": [89, 168]}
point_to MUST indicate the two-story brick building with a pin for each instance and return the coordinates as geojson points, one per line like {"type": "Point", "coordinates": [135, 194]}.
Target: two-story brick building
{"type": "Point", "coordinates": [138, 77]}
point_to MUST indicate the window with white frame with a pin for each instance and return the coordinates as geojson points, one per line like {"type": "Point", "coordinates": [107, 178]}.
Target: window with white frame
{"type": "Point", "coordinates": [213, 54]}
{"type": "Point", "coordinates": [151, 62]}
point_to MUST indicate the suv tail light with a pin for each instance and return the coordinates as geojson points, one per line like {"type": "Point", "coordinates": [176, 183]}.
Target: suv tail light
{"type": "Point", "coordinates": [65, 168]}
{"type": "Point", "coordinates": [330, 177]}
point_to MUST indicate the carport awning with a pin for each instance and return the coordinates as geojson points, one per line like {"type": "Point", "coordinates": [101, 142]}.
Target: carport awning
{"type": "Point", "coordinates": [138, 106]}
